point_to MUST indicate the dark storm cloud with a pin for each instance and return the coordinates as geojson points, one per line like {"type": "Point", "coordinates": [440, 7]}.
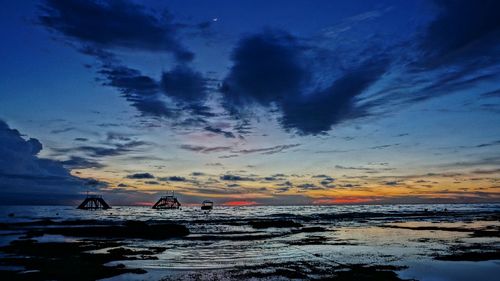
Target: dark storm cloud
{"type": "Point", "coordinates": [28, 179]}
{"type": "Point", "coordinates": [140, 90]}
{"type": "Point", "coordinates": [186, 87]}
{"type": "Point", "coordinates": [184, 84]}
{"type": "Point", "coordinates": [151, 106]}
{"type": "Point", "coordinates": [456, 50]}
{"type": "Point", "coordinates": [141, 176]}
{"type": "Point", "coordinates": [129, 81]}
{"type": "Point", "coordinates": [277, 70]}
{"type": "Point", "coordinates": [317, 112]}
{"type": "Point", "coordinates": [75, 162]}
{"type": "Point", "coordinates": [102, 26]}
{"type": "Point", "coordinates": [114, 24]}
{"type": "Point", "coordinates": [462, 29]}
{"type": "Point", "coordinates": [267, 68]}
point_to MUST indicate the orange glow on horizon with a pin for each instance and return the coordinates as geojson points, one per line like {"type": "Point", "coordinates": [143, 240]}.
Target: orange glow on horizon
{"type": "Point", "coordinates": [413, 188]}
{"type": "Point", "coordinates": [144, 204]}
{"type": "Point", "coordinates": [346, 200]}
{"type": "Point", "coordinates": [240, 203]}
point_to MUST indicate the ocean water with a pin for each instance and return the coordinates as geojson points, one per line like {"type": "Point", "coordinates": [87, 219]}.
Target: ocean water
{"type": "Point", "coordinates": [352, 234]}
{"type": "Point", "coordinates": [27, 213]}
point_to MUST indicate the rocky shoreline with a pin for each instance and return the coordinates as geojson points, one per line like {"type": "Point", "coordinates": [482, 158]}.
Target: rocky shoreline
{"type": "Point", "coordinates": [98, 249]}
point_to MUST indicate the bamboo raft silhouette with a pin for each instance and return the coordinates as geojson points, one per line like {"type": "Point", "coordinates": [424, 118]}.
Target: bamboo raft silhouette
{"type": "Point", "coordinates": [94, 202]}
{"type": "Point", "coordinates": [167, 202]}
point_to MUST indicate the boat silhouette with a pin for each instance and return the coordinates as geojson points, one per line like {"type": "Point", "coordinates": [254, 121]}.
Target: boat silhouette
{"type": "Point", "coordinates": [207, 205]}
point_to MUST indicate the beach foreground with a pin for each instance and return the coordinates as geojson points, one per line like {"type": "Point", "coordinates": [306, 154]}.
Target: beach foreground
{"type": "Point", "coordinates": [397, 242]}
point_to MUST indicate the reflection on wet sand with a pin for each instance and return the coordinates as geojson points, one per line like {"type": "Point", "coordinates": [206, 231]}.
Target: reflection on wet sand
{"type": "Point", "coordinates": [268, 243]}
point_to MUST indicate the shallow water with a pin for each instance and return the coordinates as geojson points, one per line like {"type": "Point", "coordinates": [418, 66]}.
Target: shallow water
{"type": "Point", "coordinates": [223, 238]}
{"type": "Point", "coordinates": [452, 271]}
{"type": "Point", "coordinates": [224, 213]}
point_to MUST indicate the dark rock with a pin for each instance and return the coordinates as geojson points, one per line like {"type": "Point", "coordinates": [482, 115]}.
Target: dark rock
{"type": "Point", "coordinates": [131, 229]}
{"type": "Point", "coordinates": [313, 229]}
{"type": "Point", "coordinates": [61, 261]}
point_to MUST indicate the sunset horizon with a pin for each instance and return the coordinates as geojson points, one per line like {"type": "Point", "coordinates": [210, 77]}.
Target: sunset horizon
{"type": "Point", "coordinates": [188, 108]}
{"type": "Point", "coordinates": [250, 140]}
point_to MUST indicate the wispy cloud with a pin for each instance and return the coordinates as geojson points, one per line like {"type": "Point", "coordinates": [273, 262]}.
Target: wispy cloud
{"type": "Point", "coordinates": [95, 23]}
{"type": "Point", "coordinates": [204, 149]}
{"type": "Point", "coordinates": [267, 150]}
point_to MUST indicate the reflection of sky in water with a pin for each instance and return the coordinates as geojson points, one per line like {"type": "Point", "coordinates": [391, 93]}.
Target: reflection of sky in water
{"type": "Point", "coordinates": [223, 239]}
{"type": "Point", "coordinates": [452, 271]}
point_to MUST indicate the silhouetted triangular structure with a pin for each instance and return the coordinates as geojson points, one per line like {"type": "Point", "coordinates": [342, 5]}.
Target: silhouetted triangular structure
{"type": "Point", "coordinates": [167, 202]}
{"type": "Point", "coordinates": [94, 202]}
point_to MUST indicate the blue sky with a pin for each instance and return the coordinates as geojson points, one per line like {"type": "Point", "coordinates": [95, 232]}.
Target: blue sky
{"type": "Point", "coordinates": [263, 102]}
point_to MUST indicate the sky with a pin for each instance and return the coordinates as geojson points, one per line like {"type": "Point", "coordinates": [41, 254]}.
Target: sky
{"type": "Point", "coordinates": [250, 102]}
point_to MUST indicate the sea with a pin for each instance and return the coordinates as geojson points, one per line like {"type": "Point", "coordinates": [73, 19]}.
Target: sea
{"type": "Point", "coordinates": [409, 236]}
